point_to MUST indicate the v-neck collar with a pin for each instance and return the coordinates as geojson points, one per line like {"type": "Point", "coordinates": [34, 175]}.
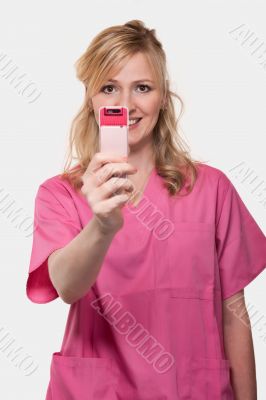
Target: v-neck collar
{"type": "Point", "coordinates": [129, 208]}
{"type": "Point", "coordinates": [134, 208]}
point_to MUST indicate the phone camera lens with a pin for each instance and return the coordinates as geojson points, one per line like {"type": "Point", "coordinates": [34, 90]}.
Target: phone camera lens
{"type": "Point", "coordinates": [113, 111]}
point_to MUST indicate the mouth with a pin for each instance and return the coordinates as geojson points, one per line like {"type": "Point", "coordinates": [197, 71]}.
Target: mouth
{"type": "Point", "coordinates": [134, 122]}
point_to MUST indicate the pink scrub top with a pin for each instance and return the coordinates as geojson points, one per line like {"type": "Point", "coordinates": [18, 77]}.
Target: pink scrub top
{"type": "Point", "coordinates": [150, 328]}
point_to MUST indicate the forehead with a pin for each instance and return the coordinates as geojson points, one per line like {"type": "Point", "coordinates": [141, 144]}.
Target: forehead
{"type": "Point", "coordinates": [135, 69]}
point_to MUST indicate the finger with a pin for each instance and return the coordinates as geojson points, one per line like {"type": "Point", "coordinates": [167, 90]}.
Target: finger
{"type": "Point", "coordinates": [114, 202]}
{"type": "Point", "coordinates": [100, 159]}
{"type": "Point", "coordinates": [114, 186]}
{"type": "Point", "coordinates": [117, 170]}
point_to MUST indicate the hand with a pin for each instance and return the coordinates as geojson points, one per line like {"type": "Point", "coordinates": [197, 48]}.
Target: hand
{"type": "Point", "coordinates": [106, 190]}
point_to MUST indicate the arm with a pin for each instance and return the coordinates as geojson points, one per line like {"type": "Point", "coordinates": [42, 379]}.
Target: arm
{"type": "Point", "coordinates": [239, 347]}
{"type": "Point", "coordinates": [74, 268]}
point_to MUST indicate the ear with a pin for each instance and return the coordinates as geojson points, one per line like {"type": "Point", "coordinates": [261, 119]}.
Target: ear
{"type": "Point", "coordinates": [165, 96]}
{"type": "Point", "coordinates": [90, 106]}
{"type": "Point", "coordinates": [163, 104]}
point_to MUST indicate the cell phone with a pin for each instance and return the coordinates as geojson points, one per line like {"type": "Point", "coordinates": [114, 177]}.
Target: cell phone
{"type": "Point", "coordinates": [114, 125]}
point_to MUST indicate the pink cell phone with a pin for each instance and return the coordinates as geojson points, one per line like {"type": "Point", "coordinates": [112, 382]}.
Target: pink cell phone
{"type": "Point", "coordinates": [114, 125]}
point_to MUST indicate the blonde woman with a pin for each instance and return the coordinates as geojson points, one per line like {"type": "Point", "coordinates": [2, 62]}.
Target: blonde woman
{"type": "Point", "coordinates": [149, 264]}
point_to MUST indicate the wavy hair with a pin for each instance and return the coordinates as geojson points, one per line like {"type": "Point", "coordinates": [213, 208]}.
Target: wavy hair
{"type": "Point", "coordinates": [172, 159]}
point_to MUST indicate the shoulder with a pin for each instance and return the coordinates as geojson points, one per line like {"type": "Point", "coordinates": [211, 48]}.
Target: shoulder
{"type": "Point", "coordinates": [56, 184]}
{"type": "Point", "coordinates": [55, 189]}
{"type": "Point", "coordinates": [55, 195]}
{"type": "Point", "coordinates": [214, 177]}
{"type": "Point", "coordinates": [209, 171]}
{"type": "Point", "coordinates": [59, 186]}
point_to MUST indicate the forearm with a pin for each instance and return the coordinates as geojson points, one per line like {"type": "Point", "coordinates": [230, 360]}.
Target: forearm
{"type": "Point", "coordinates": [74, 268]}
{"type": "Point", "coordinates": [240, 352]}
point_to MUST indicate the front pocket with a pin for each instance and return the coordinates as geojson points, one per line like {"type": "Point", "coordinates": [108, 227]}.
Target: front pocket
{"type": "Point", "coordinates": [82, 378]}
{"type": "Point", "coordinates": [191, 257]}
{"type": "Point", "coordinates": [210, 379]}
{"type": "Point", "coordinates": [192, 293]}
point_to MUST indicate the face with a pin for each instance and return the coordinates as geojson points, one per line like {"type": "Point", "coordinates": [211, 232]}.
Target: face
{"type": "Point", "coordinates": [134, 87]}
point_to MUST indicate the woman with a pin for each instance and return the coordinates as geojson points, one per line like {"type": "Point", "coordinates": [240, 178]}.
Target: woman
{"type": "Point", "coordinates": [153, 266]}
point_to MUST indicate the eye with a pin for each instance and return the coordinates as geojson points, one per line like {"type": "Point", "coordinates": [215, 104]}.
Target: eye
{"type": "Point", "coordinates": [107, 86]}
{"type": "Point", "coordinates": [111, 86]}
{"type": "Point", "coordinates": [146, 86]}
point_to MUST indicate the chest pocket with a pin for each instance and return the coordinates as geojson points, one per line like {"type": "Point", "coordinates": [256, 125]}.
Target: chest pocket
{"type": "Point", "coordinates": [191, 251]}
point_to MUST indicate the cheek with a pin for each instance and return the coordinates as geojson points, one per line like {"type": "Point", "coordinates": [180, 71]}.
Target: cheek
{"type": "Point", "coordinates": [152, 107]}
{"type": "Point", "coordinates": [97, 102]}
{"type": "Point", "coordinates": [153, 113]}
{"type": "Point", "coordinates": [100, 100]}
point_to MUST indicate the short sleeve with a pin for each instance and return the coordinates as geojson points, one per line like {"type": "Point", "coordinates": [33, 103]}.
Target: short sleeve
{"type": "Point", "coordinates": [55, 225]}
{"type": "Point", "coordinates": [240, 242]}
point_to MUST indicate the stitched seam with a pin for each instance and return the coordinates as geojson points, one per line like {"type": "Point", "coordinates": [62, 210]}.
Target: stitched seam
{"type": "Point", "coordinates": [57, 200]}
{"type": "Point", "coordinates": [226, 192]}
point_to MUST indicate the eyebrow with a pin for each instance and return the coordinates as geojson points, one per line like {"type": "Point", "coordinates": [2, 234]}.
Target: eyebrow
{"type": "Point", "coordinates": [140, 80]}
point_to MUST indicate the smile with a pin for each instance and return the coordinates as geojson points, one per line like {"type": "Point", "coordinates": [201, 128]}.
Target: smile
{"type": "Point", "coordinates": [134, 122]}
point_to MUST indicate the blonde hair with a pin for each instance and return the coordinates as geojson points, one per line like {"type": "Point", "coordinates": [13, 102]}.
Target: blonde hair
{"type": "Point", "coordinates": [172, 160]}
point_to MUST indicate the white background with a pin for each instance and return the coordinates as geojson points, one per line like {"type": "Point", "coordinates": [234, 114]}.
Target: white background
{"type": "Point", "coordinates": [221, 83]}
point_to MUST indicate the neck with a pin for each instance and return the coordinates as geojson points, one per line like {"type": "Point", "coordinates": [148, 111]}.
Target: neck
{"type": "Point", "coordinates": [143, 159]}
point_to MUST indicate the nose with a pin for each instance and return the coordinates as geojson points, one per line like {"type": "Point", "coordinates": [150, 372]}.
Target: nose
{"type": "Point", "coordinates": [126, 100]}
